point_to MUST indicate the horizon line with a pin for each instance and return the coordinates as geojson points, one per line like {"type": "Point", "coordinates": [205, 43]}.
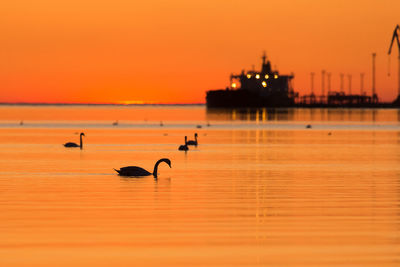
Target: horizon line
{"type": "Point", "coordinates": [97, 104]}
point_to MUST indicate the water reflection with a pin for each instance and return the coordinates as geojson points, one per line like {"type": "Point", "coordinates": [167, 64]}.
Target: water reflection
{"type": "Point", "coordinates": [248, 114]}
{"type": "Point", "coordinates": [292, 114]}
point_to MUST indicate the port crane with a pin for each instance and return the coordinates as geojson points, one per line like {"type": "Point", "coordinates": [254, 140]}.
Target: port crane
{"type": "Point", "coordinates": [396, 36]}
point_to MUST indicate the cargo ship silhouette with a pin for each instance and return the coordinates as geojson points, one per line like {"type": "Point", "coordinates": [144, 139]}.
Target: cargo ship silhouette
{"type": "Point", "coordinates": [265, 88]}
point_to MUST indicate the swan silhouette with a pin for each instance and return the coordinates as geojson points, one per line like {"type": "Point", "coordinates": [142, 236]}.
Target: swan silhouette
{"type": "Point", "coordinates": [137, 171]}
{"type": "Point", "coordinates": [185, 146]}
{"type": "Point", "coordinates": [193, 142]}
{"type": "Point", "coordinates": [70, 144]}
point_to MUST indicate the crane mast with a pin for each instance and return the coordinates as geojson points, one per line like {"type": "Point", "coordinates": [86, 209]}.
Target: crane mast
{"type": "Point", "coordinates": [396, 36]}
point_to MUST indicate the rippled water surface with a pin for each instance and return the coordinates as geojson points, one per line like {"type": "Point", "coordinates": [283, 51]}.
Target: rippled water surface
{"type": "Point", "coordinates": [260, 189]}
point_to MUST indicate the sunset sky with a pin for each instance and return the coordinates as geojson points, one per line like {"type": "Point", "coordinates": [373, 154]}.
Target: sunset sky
{"type": "Point", "coordinates": [173, 51]}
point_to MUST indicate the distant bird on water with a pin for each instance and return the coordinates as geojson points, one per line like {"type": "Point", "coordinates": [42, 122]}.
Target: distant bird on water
{"type": "Point", "coordinates": [308, 126]}
{"type": "Point", "coordinates": [193, 142]}
{"type": "Point", "coordinates": [115, 123]}
{"type": "Point", "coordinates": [137, 171]}
{"type": "Point", "coordinates": [185, 146]}
{"type": "Point", "coordinates": [70, 144]}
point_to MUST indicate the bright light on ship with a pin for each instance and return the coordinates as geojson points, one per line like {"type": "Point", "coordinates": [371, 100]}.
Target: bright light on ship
{"type": "Point", "coordinates": [264, 84]}
{"type": "Point", "coordinates": [276, 76]}
{"type": "Point", "coordinates": [233, 85]}
{"type": "Point", "coordinates": [267, 76]}
{"type": "Point", "coordinates": [248, 76]}
{"type": "Point", "coordinates": [257, 76]}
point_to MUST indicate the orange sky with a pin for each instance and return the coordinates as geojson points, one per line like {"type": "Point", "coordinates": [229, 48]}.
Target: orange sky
{"type": "Point", "coordinates": [173, 51]}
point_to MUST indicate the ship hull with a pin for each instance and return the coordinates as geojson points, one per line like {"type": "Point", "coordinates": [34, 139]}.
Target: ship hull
{"type": "Point", "coordinates": [245, 98]}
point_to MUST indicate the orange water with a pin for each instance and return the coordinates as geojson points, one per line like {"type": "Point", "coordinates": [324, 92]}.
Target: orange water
{"type": "Point", "coordinates": [260, 189]}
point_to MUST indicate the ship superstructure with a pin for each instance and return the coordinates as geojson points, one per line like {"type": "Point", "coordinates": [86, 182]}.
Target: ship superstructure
{"type": "Point", "coordinates": [264, 88]}
{"type": "Point", "coordinates": [264, 82]}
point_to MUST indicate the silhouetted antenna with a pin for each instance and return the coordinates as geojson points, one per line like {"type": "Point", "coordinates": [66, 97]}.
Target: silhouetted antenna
{"type": "Point", "coordinates": [312, 82]}
{"type": "Point", "coordinates": [361, 83]}
{"type": "Point", "coordinates": [264, 57]}
{"type": "Point", "coordinates": [349, 76]}
{"type": "Point", "coordinates": [329, 82]}
{"type": "Point", "coordinates": [341, 82]}
{"type": "Point", "coordinates": [323, 82]}
{"type": "Point", "coordinates": [373, 74]}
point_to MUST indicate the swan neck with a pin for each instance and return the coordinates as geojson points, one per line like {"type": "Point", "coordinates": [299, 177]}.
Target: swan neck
{"type": "Point", "coordinates": [156, 168]}
{"type": "Point", "coordinates": [157, 163]}
{"type": "Point", "coordinates": [81, 144]}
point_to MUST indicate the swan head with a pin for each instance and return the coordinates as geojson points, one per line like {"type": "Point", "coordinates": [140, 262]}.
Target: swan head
{"type": "Point", "coordinates": [195, 135]}
{"type": "Point", "coordinates": [82, 134]}
{"type": "Point", "coordinates": [168, 161]}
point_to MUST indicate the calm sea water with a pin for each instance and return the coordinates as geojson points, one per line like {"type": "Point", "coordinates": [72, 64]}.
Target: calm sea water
{"type": "Point", "coordinates": [260, 189]}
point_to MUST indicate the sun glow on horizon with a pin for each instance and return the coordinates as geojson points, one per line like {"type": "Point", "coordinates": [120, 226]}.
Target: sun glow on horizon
{"type": "Point", "coordinates": [136, 102]}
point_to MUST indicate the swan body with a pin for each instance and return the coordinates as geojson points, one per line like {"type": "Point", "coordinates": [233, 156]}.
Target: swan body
{"type": "Point", "coordinates": [133, 171]}
{"type": "Point", "coordinates": [193, 142]}
{"type": "Point", "coordinates": [185, 146]}
{"type": "Point", "coordinates": [138, 171]}
{"type": "Point", "coordinates": [71, 144]}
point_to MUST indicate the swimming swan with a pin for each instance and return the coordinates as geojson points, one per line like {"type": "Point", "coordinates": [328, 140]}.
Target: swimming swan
{"type": "Point", "coordinates": [184, 147]}
{"type": "Point", "coordinates": [137, 171]}
{"type": "Point", "coordinates": [191, 142]}
{"type": "Point", "coordinates": [70, 144]}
